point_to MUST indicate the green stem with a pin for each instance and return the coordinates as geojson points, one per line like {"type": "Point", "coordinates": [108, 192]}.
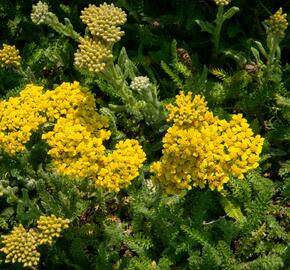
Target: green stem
{"type": "Point", "coordinates": [66, 30]}
{"type": "Point", "coordinates": [217, 32]}
{"type": "Point", "coordinates": [118, 83]}
{"type": "Point", "coordinates": [272, 56]}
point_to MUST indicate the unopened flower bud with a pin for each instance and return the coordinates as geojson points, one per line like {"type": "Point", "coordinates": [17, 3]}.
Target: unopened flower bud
{"type": "Point", "coordinates": [222, 2]}
{"type": "Point", "coordinates": [103, 21]}
{"type": "Point", "coordinates": [92, 54]}
{"type": "Point", "coordinates": [277, 23]}
{"type": "Point", "coordinates": [9, 56]}
{"type": "Point", "coordinates": [39, 13]}
{"type": "Point", "coordinates": [140, 83]}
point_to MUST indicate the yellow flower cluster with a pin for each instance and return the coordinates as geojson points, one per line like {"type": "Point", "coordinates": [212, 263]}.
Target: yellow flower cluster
{"type": "Point", "coordinates": [201, 149]}
{"type": "Point", "coordinates": [75, 150]}
{"type": "Point", "coordinates": [93, 54]}
{"type": "Point", "coordinates": [9, 56]}
{"type": "Point", "coordinates": [20, 246]}
{"type": "Point", "coordinates": [103, 21]}
{"type": "Point", "coordinates": [222, 2]}
{"type": "Point", "coordinates": [76, 140]}
{"type": "Point", "coordinates": [77, 137]}
{"type": "Point", "coordinates": [277, 23]}
{"type": "Point", "coordinates": [50, 227]}
{"type": "Point", "coordinates": [121, 166]}
{"type": "Point", "coordinates": [95, 51]}
{"type": "Point", "coordinates": [19, 118]}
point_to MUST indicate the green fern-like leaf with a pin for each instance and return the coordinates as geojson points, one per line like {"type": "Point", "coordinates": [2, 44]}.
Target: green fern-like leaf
{"type": "Point", "coordinates": [219, 73]}
{"type": "Point", "coordinates": [175, 78]}
{"type": "Point", "coordinates": [270, 262]}
{"type": "Point", "coordinates": [232, 210]}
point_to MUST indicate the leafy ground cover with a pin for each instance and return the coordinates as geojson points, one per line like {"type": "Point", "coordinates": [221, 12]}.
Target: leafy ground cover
{"type": "Point", "coordinates": [144, 135]}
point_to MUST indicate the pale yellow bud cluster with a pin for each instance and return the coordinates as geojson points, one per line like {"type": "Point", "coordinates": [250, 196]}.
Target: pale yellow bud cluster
{"type": "Point", "coordinates": [9, 56]}
{"type": "Point", "coordinates": [20, 246]}
{"type": "Point", "coordinates": [222, 2]}
{"type": "Point", "coordinates": [39, 13]}
{"type": "Point", "coordinates": [93, 54]}
{"type": "Point", "coordinates": [103, 21]}
{"type": "Point", "coordinates": [140, 83]}
{"type": "Point", "coordinates": [50, 227]}
{"type": "Point", "coordinates": [277, 23]}
{"type": "Point", "coordinates": [121, 166]}
{"type": "Point", "coordinates": [200, 149]}
{"type": "Point", "coordinates": [95, 51]}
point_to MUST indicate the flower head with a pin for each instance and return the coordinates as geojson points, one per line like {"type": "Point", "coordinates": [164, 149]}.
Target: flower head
{"type": "Point", "coordinates": [20, 246]}
{"type": "Point", "coordinates": [121, 166]}
{"type": "Point", "coordinates": [9, 56]}
{"type": "Point", "coordinates": [19, 118]}
{"type": "Point", "coordinates": [50, 227]}
{"type": "Point", "coordinates": [140, 83]}
{"type": "Point", "coordinates": [222, 2]}
{"type": "Point", "coordinates": [93, 54]}
{"type": "Point", "coordinates": [200, 149]}
{"type": "Point", "coordinates": [39, 13]}
{"type": "Point", "coordinates": [103, 21]}
{"type": "Point", "coordinates": [188, 112]}
{"type": "Point", "coordinates": [76, 140]}
{"type": "Point", "coordinates": [277, 23]}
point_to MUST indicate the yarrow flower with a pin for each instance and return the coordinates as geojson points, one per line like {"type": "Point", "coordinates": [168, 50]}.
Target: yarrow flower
{"type": "Point", "coordinates": [103, 21]}
{"type": "Point", "coordinates": [76, 136]}
{"type": "Point", "coordinates": [9, 56]}
{"type": "Point", "coordinates": [75, 150]}
{"type": "Point", "coordinates": [140, 83]}
{"type": "Point", "coordinates": [200, 149]}
{"type": "Point", "coordinates": [20, 117]}
{"type": "Point", "coordinates": [76, 140]}
{"type": "Point", "coordinates": [93, 54]}
{"type": "Point", "coordinates": [50, 227]}
{"type": "Point", "coordinates": [121, 166]}
{"type": "Point", "coordinates": [277, 23]}
{"type": "Point", "coordinates": [39, 13]}
{"type": "Point", "coordinates": [20, 246]}
{"type": "Point", "coordinates": [222, 2]}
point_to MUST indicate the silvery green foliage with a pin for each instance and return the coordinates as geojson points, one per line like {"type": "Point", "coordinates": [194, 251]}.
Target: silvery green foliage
{"type": "Point", "coordinates": [41, 15]}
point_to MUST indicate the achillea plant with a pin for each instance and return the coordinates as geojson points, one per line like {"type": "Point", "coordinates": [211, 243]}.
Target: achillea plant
{"type": "Point", "coordinates": [200, 149]}
{"type": "Point", "coordinates": [9, 56]}
{"type": "Point", "coordinates": [95, 54]}
{"type": "Point", "coordinates": [41, 15]}
{"type": "Point", "coordinates": [20, 246]}
{"type": "Point", "coordinates": [76, 136]}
